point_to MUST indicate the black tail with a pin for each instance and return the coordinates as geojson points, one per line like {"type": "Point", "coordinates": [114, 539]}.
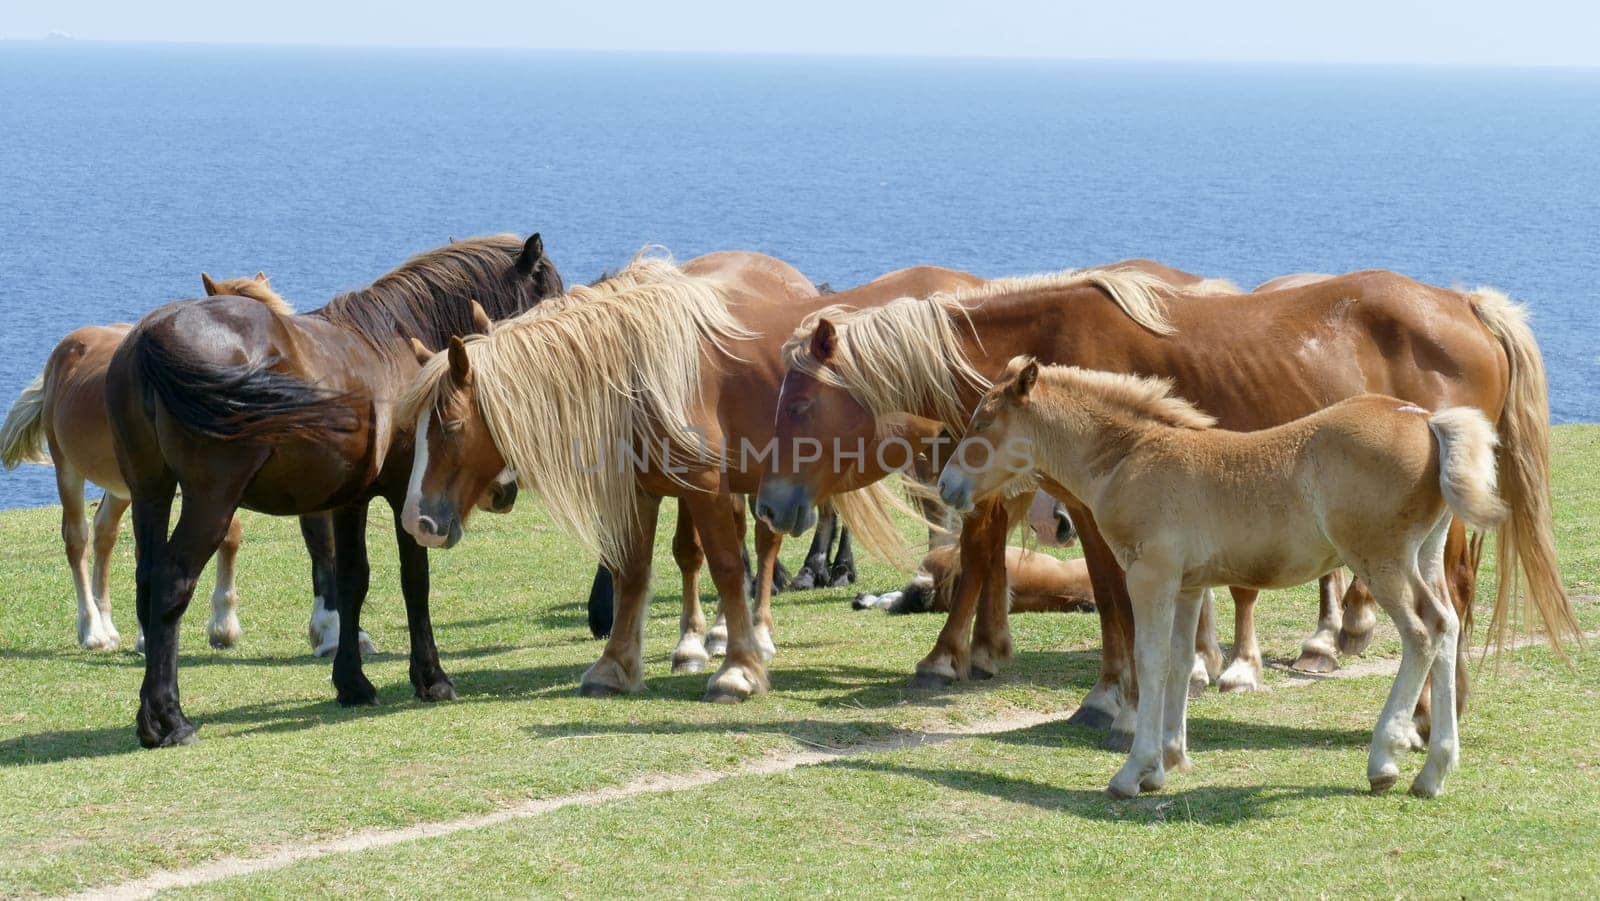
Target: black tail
{"type": "Point", "coordinates": [237, 403]}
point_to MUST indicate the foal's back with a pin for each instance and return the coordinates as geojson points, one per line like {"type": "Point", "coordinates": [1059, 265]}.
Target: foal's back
{"type": "Point", "coordinates": [1281, 506]}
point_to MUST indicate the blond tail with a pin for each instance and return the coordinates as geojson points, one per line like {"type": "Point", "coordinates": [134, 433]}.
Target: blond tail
{"type": "Point", "coordinates": [1467, 468]}
{"type": "Point", "coordinates": [866, 512]}
{"type": "Point", "coordinates": [22, 438]}
{"type": "Point", "coordinates": [1525, 546]}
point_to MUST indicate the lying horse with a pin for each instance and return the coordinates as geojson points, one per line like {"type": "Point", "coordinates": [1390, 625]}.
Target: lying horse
{"type": "Point", "coordinates": [1331, 339]}
{"type": "Point", "coordinates": [1038, 583]}
{"type": "Point", "coordinates": [241, 405]}
{"type": "Point", "coordinates": [61, 419]}
{"type": "Point", "coordinates": [1371, 481]}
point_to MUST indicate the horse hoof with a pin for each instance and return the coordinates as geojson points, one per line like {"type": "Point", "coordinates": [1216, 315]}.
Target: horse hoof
{"type": "Point", "coordinates": [442, 690]}
{"type": "Point", "coordinates": [688, 664]}
{"type": "Point", "coordinates": [717, 646]}
{"type": "Point", "coordinates": [361, 694]}
{"type": "Point", "coordinates": [1154, 782]}
{"type": "Point", "coordinates": [1091, 718]}
{"type": "Point", "coordinates": [1421, 790]}
{"type": "Point", "coordinates": [1117, 740]}
{"type": "Point", "coordinates": [930, 681]}
{"type": "Point", "coordinates": [723, 696]}
{"type": "Point", "coordinates": [223, 641]}
{"type": "Point", "coordinates": [1314, 662]}
{"type": "Point", "coordinates": [1383, 783]}
{"type": "Point", "coordinates": [804, 580]}
{"type": "Point", "coordinates": [367, 647]}
{"type": "Point", "coordinates": [1121, 792]}
{"type": "Point", "coordinates": [1198, 686]}
{"type": "Point", "coordinates": [842, 580]}
{"type": "Point", "coordinates": [598, 690]}
{"type": "Point", "coordinates": [980, 673]}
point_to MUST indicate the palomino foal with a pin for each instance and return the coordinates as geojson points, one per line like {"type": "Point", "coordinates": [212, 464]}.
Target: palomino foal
{"type": "Point", "coordinates": [1371, 481]}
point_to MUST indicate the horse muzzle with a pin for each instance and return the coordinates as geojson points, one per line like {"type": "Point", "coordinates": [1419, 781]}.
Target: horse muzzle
{"type": "Point", "coordinates": [434, 528]}
{"type": "Point", "coordinates": [500, 497]}
{"type": "Point", "coordinates": [785, 506]}
{"type": "Point", "coordinates": [955, 489]}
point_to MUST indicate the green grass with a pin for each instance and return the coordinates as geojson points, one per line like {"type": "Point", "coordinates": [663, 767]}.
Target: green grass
{"type": "Point", "coordinates": [1275, 803]}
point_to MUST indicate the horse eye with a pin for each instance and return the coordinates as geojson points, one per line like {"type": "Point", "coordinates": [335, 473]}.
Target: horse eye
{"type": "Point", "coordinates": [980, 426]}
{"type": "Point", "coordinates": [800, 407]}
{"type": "Point", "coordinates": [453, 426]}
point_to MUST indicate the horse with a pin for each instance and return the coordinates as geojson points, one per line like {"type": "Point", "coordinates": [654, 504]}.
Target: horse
{"type": "Point", "coordinates": [1038, 583]}
{"type": "Point", "coordinates": [662, 389]}
{"type": "Point", "coordinates": [1370, 330]}
{"type": "Point", "coordinates": [61, 419]}
{"type": "Point", "coordinates": [242, 406]}
{"type": "Point", "coordinates": [1371, 481]}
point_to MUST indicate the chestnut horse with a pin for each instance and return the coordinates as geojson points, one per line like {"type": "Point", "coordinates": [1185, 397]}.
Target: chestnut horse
{"type": "Point", "coordinates": [1038, 583]}
{"type": "Point", "coordinates": [1341, 336]}
{"type": "Point", "coordinates": [661, 390]}
{"type": "Point", "coordinates": [1371, 481]}
{"type": "Point", "coordinates": [239, 405]}
{"type": "Point", "coordinates": [61, 419]}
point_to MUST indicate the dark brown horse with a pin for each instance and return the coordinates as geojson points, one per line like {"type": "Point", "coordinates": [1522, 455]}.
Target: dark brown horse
{"type": "Point", "coordinates": [240, 406]}
{"type": "Point", "coordinates": [1253, 361]}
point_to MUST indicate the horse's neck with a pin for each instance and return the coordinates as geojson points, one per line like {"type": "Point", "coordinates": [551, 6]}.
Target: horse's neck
{"type": "Point", "coordinates": [1082, 445]}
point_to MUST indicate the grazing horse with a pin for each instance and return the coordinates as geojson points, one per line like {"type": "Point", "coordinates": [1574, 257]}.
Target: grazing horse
{"type": "Point", "coordinates": [1338, 337]}
{"type": "Point", "coordinates": [1371, 481]}
{"type": "Point", "coordinates": [61, 419]}
{"type": "Point", "coordinates": [241, 405]}
{"type": "Point", "coordinates": [1038, 583]}
{"type": "Point", "coordinates": [664, 389]}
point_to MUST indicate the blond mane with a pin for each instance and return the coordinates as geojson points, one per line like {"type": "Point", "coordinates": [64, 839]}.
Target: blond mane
{"type": "Point", "coordinates": [257, 289]}
{"type": "Point", "coordinates": [605, 368]}
{"type": "Point", "coordinates": [1135, 397]}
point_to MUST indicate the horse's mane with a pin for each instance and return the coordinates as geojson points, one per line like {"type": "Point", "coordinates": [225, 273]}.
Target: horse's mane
{"type": "Point", "coordinates": [429, 297]}
{"type": "Point", "coordinates": [257, 289]}
{"type": "Point", "coordinates": [609, 368]}
{"type": "Point", "coordinates": [906, 355]}
{"type": "Point", "coordinates": [1136, 397]}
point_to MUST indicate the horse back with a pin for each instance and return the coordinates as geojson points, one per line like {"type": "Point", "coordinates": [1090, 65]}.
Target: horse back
{"type": "Point", "coordinates": [77, 427]}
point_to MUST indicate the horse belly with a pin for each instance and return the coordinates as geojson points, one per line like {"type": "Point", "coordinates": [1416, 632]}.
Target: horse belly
{"type": "Point", "coordinates": [1279, 555]}
{"type": "Point", "coordinates": [301, 477]}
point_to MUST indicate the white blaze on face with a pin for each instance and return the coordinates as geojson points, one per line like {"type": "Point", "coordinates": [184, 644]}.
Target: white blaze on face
{"type": "Point", "coordinates": [411, 513]}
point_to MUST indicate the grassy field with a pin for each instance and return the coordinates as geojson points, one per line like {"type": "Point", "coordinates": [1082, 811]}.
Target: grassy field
{"type": "Point", "coordinates": [1276, 804]}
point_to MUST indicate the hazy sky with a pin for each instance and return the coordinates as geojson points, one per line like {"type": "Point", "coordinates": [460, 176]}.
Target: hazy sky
{"type": "Point", "coordinates": [1501, 32]}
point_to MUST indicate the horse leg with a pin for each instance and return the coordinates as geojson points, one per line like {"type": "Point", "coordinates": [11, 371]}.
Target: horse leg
{"type": "Point", "coordinates": [814, 572]}
{"type": "Point", "coordinates": [224, 631]}
{"type": "Point", "coordinates": [1207, 653]}
{"type": "Point", "coordinates": [351, 575]}
{"type": "Point", "coordinates": [1152, 592]}
{"type": "Point", "coordinates": [842, 570]}
{"type": "Point", "coordinates": [691, 655]}
{"type": "Point", "coordinates": [991, 635]}
{"type": "Point", "coordinates": [602, 602]}
{"type": "Point", "coordinates": [107, 520]}
{"type": "Point", "coordinates": [1244, 673]}
{"type": "Point", "coordinates": [1461, 556]}
{"type": "Point", "coordinates": [1319, 653]}
{"type": "Point", "coordinates": [1437, 611]}
{"type": "Point", "coordinates": [169, 586]}
{"type": "Point", "coordinates": [768, 543]}
{"type": "Point", "coordinates": [1395, 589]}
{"type": "Point", "coordinates": [428, 679]}
{"type": "Point", "coordinates": [620, 669]}
{"type": "Point", "coordinates": [316, 530]}
{"type": "Point", "coordinates": [75, 536]}
{"type": "Point", "coordinates": [982, 538]}
{"type": "Point", "coordinates": [1107, 699]}
{"type": "Point", "coordinates": [742, 674]}
{"type": "Point", "coordinates": [1174, 725]}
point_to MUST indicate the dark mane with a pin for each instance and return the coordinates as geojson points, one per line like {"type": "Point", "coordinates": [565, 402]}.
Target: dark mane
{"type": "Point", "coordinates": [429, 297]}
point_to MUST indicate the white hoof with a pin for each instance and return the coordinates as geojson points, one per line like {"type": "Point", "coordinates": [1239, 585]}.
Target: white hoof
{"type": "Point", "coordinates": [1199, 677]}
{"type": "Point", "coordinates": [734, 683]}
{"type": "Point", "coordinates": [1240, 676]}
{"type": "Point", "coordinates": [224, 632]}
{"type": "Point", "coordinates": [765, 644]}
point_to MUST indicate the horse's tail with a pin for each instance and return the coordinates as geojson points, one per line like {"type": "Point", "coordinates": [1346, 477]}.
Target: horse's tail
{"type": "Point", "coordinates": [236, 403]}
{"type": "Point", "coordinates": [1466, 466]}
{"type": "Point", "coordinates": [22, 437]}
{"type": "Point", "coordinates": [1526, 541]}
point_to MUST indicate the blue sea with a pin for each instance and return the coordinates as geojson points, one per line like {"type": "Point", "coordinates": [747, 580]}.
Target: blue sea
{"type": "Point", "coordinates": [125, 170]}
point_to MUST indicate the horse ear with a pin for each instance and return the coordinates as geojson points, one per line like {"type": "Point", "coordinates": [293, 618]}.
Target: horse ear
{"type": "Point", "coordinates": [480, 320]}
{"type": "Point", "coordinates": [1027, 376]}
{"type": "Point", "coordinates": [532, 253]}
{"type": "Point", "coordinates": [261, 277]}
{"type": "Point", "coordinates": [422, 351]}
{"type": "Point", "coordinates": [209, 285]}
{"type": "Point", "coordinates": [460, 367]}
{"type": "Point", "coordinates": [824, 341]}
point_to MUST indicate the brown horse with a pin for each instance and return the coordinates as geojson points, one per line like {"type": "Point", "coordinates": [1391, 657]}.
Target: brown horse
{"type": "Point", "coordinates": [239, 405]}
{"type": "Point", "coordinates": [664, 389]}
{"type": "Point", "coordinates": [1038, 583]}
{"type": "Point", "coordinates": [1371, 481]}
{"type": "Point", "coordinates": [1365, 331]}
{"type": "Point", "coordinates": [61, 419]}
